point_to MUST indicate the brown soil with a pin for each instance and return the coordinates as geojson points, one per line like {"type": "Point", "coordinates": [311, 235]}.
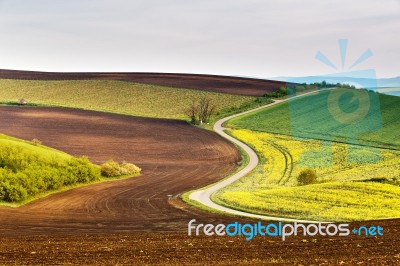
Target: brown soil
{"type": "Point", "coordinates": [141, 220]}
{"type": "Point", "coordinates": [179, 249]}
{"type": "Point", "coordinates": [174, 156]}
{"type": "Point", "coordinates": [225, 84]}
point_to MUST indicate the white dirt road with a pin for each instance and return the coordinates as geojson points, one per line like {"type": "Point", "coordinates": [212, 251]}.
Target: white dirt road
{"type": "Point", "coordinates": [203, 196]}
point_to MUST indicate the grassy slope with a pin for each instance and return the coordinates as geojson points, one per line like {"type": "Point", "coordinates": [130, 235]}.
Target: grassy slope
{"type": "Point", "coordinates": [40, 150]}
{"type": "Point", "coordinates": [45, 157]}
{"type": "Point", "coordinates": [114, 96]}
{"type": "Point", "coordinates": [310, 117]}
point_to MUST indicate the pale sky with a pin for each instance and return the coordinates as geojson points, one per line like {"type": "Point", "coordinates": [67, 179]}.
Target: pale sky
{"type": "Point", "coordinates": [258, 38]}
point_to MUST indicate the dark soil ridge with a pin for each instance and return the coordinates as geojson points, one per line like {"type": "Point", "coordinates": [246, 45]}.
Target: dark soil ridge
{"type": "Point", "coordinates": [214, 83]}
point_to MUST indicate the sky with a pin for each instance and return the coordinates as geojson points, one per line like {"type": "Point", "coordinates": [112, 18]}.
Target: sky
{"type": "Point", "coordinates": [252, 38]}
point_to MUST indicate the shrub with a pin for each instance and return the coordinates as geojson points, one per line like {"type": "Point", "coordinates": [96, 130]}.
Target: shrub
{"type": "Point", "coordinates": [130, 168]}
{"type": "Point", "coordinates": [112, 168]}
{"type": "Point", "coordinates": [83, 170]}
{"type": "Point", "coordinates": [22, 101]}
{"type": "Point", "coordinates": [307, 177]}
{"type": "Point", "coordinates": [13, 192]}
{"type": "Point", "coordinates": [36, 142]}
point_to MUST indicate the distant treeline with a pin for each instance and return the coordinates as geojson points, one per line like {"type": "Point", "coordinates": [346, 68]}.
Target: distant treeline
{"type": "Point", "coordinates": [292, 89]}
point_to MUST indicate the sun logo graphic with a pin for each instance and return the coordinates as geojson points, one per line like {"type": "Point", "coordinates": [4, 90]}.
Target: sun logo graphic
{"type": "Point", "coordinates": [346, 112]}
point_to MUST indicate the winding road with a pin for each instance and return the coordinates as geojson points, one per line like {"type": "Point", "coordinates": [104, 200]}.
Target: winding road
{"type": "Point", "coordinates": [203, 196]}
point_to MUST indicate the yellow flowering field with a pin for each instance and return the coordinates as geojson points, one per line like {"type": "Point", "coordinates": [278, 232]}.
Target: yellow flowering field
{"type": "Point", "coordinates": [344, 190]}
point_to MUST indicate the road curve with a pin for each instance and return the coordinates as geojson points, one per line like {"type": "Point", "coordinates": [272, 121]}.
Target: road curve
{"type": "Point", "coordinates": [204, 196]}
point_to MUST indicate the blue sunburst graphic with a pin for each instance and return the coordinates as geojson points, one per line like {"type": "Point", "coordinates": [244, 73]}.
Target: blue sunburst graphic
{"type": "Point", "coordinates": [343, 43]}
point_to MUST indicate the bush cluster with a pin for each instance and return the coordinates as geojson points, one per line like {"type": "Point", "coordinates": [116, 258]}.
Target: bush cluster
{"type": "Point", "coordinates": [282, 92]}
{"type": "Point", "coordinates": [112, 168]}
{"type": "Point", "coordinates": [24, 174]}
{"type": "Point", "coordinates": [307, 177]}
{"type": "Point", "coordinates": [292, 89]}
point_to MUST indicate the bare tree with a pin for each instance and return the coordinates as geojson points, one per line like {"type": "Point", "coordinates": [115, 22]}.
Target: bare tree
{"type": "Point", "coordinates": [201, 112]}
{"type": "Point", "coordinates": [192, 112]}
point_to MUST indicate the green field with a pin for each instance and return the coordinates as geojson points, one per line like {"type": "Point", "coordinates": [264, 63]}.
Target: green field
{"type": "Point", "coordinates": [29, 170]}
{"type": "Point", "coordinates": [345, 190]}
{"type": "Point", "coordinates": [117, 97]}
{"type": "Point", "coordinates": [346, 115]}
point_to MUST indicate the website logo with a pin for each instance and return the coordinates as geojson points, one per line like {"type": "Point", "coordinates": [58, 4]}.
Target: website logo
{"type": "Point", "coordinates": [281, 230]}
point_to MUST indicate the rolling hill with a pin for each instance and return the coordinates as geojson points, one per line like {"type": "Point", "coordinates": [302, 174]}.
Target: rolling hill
{"type": "Point", "coordinates": [318, 117]}
{"type": "Point", "coordinates": [214, 83]}
{"type": "Point", "coordinates": [115, 96]}
{"type": "Point", "coordinates": [28, 169]}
